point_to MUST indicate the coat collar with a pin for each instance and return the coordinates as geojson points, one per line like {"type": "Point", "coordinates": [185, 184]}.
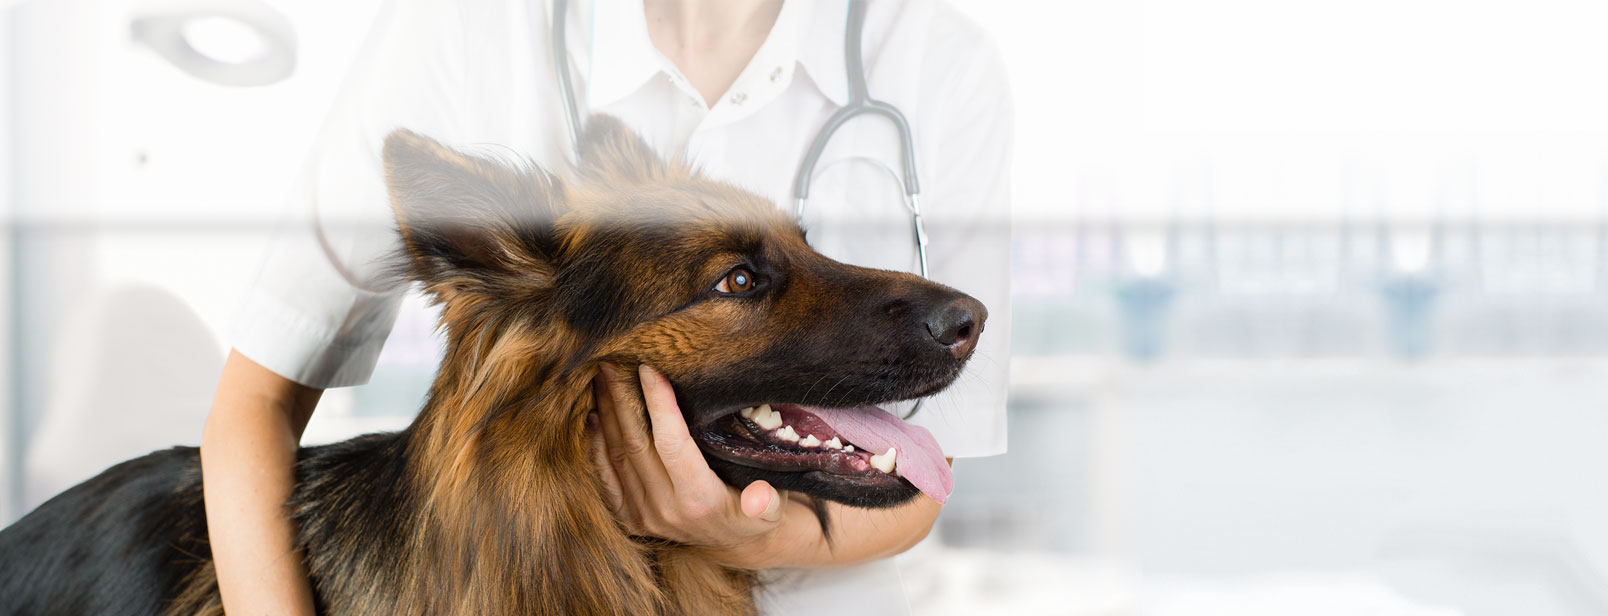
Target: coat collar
{"type": "Point", "coordinates": [808, 33]}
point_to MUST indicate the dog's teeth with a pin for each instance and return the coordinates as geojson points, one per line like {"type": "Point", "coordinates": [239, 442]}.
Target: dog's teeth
{"type": "Point", "coordinates": [747, 413]}
{"type": "Point", "coordinates": [848, 449]}
{"type": "Point", "coordinates": [787, 434]}
{"type": "Point", "coordinates": [767, 418]}
{"type": "Point", "coordinates": [885, 462]}
{"type": "Point", "coordinates": [833, 443]}
{"type": "Point", "coordinates": [810, 441]}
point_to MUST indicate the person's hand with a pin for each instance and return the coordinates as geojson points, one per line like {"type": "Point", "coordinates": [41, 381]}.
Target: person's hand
{"type": "Point", "coordinates": [658, 483]}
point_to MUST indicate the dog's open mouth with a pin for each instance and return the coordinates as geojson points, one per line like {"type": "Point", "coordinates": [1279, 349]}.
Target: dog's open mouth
{"type": "Point", "coordinates": [864, 445]}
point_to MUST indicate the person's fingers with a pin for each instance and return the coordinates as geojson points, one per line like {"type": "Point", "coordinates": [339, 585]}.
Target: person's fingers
{"type": "Point", "coordinates": [683, 462]}
{"type": "Point", "coordinates": [634, 494]}
{"type": "Point", "coordinates": [762, 502]}
{"type": "Point", "coordinates": [612, 494]}
{"type": "Point", "coordinates": [628, 415]}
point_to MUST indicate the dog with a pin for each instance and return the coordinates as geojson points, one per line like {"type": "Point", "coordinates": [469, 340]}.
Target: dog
{"type": "Point", "coordinates": [489, 502]}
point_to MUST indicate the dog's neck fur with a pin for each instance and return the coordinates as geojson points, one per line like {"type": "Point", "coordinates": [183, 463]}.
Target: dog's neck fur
{"type": "Point", "coordinates": [511, 516]}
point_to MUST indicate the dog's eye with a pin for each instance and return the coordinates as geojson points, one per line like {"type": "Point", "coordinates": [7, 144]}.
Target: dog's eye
{"type": "Point", "coordinates": [737, 281]}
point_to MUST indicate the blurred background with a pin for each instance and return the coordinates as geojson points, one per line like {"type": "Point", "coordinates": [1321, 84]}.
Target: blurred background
{"type": "Point", "coordinates": [1311, 298]}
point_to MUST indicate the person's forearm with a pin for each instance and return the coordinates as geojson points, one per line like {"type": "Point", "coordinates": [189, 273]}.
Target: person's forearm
{"type": "Point", "coordinates": [248, 451]}
{"type": "Point", "coordinates": [858, 535]}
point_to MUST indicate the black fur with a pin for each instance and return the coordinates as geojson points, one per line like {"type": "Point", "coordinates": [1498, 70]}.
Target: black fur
{"type": "Point", "coordinates": [135, 530]}
{"type": "Point", "coordinates": [124, 541]}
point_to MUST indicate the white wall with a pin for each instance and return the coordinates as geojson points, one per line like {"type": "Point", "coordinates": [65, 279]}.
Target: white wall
{"type": "Point", "coordinates": [1261, 109]}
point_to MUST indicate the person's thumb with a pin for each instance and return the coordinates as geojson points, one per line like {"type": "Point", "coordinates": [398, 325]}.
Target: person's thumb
{"type": "Point", "coordinates": [763, 502]}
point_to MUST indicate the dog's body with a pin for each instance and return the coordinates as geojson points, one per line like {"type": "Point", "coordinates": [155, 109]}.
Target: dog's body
{"type": "Point", "coordinates": [488, 503]}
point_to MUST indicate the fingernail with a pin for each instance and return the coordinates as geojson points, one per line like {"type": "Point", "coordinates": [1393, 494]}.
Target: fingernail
{"type": "Point", "coordinates": [774, 505]}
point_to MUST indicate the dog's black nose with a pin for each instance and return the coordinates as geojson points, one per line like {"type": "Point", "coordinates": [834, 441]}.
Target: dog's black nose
{"type": "Point", "coordinates": [955, 325]}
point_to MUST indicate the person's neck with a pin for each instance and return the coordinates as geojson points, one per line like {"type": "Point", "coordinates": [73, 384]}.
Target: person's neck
{"type": "Point", "coordinates": [710, 41]}
{"type": "Point", "coordinates": [702, 25]}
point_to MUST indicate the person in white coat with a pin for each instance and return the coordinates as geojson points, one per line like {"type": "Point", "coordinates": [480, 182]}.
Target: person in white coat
{"type": "Point", "coordinates": [738, 87]}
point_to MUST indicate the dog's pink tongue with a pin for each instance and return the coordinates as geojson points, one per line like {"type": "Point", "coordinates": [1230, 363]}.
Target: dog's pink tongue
{"type": "Point", "coordinates": [920, 460]}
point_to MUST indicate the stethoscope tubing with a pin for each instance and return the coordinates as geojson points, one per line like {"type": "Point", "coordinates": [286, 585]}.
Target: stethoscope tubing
{"type": "Point", "coordinates": [566, 89]}
{"type": "Point", "coordinates": [860, 103]}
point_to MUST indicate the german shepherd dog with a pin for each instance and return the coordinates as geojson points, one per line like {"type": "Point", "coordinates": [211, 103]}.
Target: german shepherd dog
{"type": "Point", "coordinates": [489, 502]}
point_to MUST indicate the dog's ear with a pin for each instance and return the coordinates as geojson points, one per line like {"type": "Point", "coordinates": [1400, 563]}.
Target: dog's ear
{"type": "Point", "coordinates": [465, 218]}
{"type": "Point", "coordinates": [611, 151]}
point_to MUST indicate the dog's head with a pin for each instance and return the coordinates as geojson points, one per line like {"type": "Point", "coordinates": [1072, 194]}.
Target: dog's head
{"type": "Point", "coordinates": [778, 355]}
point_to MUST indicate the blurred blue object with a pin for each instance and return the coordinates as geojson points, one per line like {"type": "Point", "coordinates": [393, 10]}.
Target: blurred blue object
{"type": "Point", "coordinates": [1409, 305]}
{"type": "Point", "coordinates": [1144, 303]}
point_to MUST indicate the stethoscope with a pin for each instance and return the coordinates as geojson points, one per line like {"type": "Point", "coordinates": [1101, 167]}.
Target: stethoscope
{"type": "Point", "coordinates": [860, 103]}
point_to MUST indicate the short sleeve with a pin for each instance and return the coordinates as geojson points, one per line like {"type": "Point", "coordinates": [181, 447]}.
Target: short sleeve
{"type": "Point", "coordinates": [323, 303]}
{"type": "Point", "coordinates": [964, 162]}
